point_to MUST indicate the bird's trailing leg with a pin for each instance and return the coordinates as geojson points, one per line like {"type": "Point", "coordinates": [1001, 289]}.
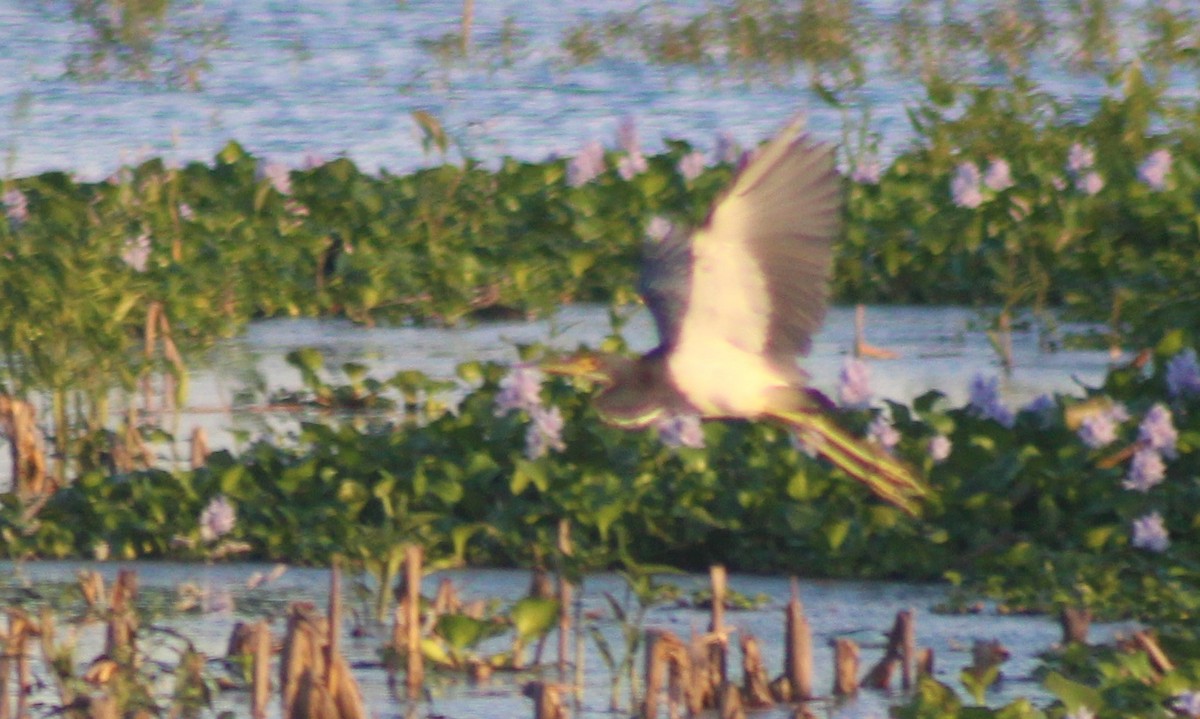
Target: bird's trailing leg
{"type": "Point", "coordinates": [884, 474]}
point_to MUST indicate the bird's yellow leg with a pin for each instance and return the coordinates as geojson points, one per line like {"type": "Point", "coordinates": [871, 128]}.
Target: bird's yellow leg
{"type": "Point", "coordinates": [883, 474]}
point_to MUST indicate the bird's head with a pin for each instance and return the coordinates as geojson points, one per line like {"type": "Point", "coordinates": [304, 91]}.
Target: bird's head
{"type": "Point", "coordinates": [601, 369]}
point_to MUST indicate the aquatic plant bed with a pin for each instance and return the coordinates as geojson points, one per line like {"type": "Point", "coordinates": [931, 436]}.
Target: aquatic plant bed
{"type": "Point", "coordinates": [183, 608]}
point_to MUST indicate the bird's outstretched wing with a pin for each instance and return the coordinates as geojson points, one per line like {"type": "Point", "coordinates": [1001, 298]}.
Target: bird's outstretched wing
{"type": "Point", "coordinates": [663, 284]}
{"type": "Point", "coordinates": [760, 264]}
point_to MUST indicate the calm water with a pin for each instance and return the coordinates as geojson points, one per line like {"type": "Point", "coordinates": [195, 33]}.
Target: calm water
{"type": "Point", "coordinates": [939, 348]}
{"type": "Point", "coordinates": [859, 610]}
{"type": "Point", "coordinates": [334, 77]}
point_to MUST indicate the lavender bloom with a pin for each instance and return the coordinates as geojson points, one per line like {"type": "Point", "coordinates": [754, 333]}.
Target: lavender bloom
{"type": "Point", "coordinates": [658, 228]}
{"type": "Point", "coordinates": [1043, 405]}
{"type": "Point", "coordinates": [279, 175]}
{"type": "Point", "coordinates": [681, 430]}
{"type": "Point", "coordinates": [519, 390]}
{"type": "Point", "coordinates": [998, 176]}
{"type": "Point", "coordinates": [545, 433]}
{"type": "Point", "coordinates": [1150, 533]}
{"type": "Point", "coordinates": [217, 519]}
{"type": "Point", "coordinates": [631, 165]}
{"type": "Point", "coordinates": [1187, 703]}
{"type": "Point", "coordinates": [1183, 374]}
{"type": "Point", "coordinates": [854, 383]}
{"type": "Point", "coordinates": [16, 206]}
{"type": "Point", "coordinates": [627, 136]}
{"type": "Point", "coordinates": [964, 186]}
{"type": "Point", "coordinates": [1080, 159]}
{"type": "Point", "coordinates": [691, 165]}
{"type": "Point", "coordinates": [587, 165]}
{"type": "Point", "coordinates": [985, 400]}
{"type": "Point", "coordinates": [1157, 430]}
{"type": "Point", "coordinates": [1098, 430]}
{"type": "Point", "coordinates": [868, 171]}
{"type": "Point", "coordinates": [727, 149]}
{"type": "Point", "coordinates": [939, 448]}
{"type": "Point", "coordinates": [1145, 471]}
{"type": "Point", "coordinates": [137, 252]}
{"type": "Point", "coordinates": [881, 432]}
{"type": "Point", "coordinates": [186, 212]}
{"type": "Point", "coordinates": [1090, 183]}
{"type": "Point", "coordinates": [1154, 169]}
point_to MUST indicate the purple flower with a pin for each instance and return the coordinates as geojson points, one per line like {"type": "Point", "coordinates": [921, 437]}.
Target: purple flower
{"type": "Point", "coordinates": [964, 186]}
{"type": "Point", "coordinates": [1043, 405]}
{"type": "Point", "coordinates": [627, 136]}
{"type": "Point", "coordinates": [658, 228]}
{"type": "Point", "coordinates": [881, 432]}
{"type": "Point", "coordinates": [217, 519]}
{"type": "Point", "coordinates": [1187, 703]}
{"type": "Point", "coordinates": [544, 433]}
{"type": "Point", "coordinates": [867, 171]}
{"type": "Point", "coordinates": [984, 400]}
{"type": "Point", "coordinates": [1145, 471]}
{"type": "Point", "coordinates": [681, 430]}
{"type": "Point", "coordinates": [16, 207]}
{"type": "Point", "coordinates": [1089, 183]}
{"type": "Point", "coordinates": [1080, 159]}
{"type": "Point", "coordinates": [137, 252]}
{"type": "Point", "coordinates": [998, 176]}
{"type": "Point", "coordinates": [631, 165]}
{"type": "Point", "coordinates": [1098, 430]}
{"type": "Point", "coordinates": [587, 165]}
{"type": "Point", "coordinates": [939, 448]}
{"type": "Point", "coordinates": [854, 383]}
{"type": "Point", "coordinates": [1157, 430]}
{"type": "Point", "coordinates": [1150, 533]}
{"type": "Point", "coordinates": [520, 390]}
{"type": "Point", "coordinates": [1154, 169]}
{"type": "Point", "coordinates": [279, 175]}
{"type": "Point", "coordinates": [1183, 374]}
{"type": "Point", "coordinates": [691, 165]}
{"type": "Point", "coordinates": [727, 149]}
{"type": "Point", "coordinates": [186, 212]}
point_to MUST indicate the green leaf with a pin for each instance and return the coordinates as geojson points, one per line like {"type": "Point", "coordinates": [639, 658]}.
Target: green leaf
{"type": "Point", "coordinates": [533, 616]}
{"type": "Point", "coordinates": [460, 631]}
{"type": "Point", "coordinates": [1071, 693]}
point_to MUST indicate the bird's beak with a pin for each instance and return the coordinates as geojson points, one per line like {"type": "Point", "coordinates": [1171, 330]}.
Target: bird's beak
{"type": "Point", "coordinates": [584, 366]}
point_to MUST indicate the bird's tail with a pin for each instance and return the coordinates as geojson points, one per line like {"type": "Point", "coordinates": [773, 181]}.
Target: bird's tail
{"type": "Point", "coordinates": [885, 475]}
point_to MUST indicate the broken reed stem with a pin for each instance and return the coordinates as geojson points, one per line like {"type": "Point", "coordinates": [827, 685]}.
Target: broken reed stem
{"type": "Point", "coordinates": [717, 654]}
{"type": "Point", "coordinates": [901, 651]}
{"type": "Point", "coordinates": [845, 670]}
{"type": "Point", "coordinates": [1158, 658]}
{"type": "Point", "coordinates": [547, 703]}
{"type": "Point", "coordinates": [797, 659]}
{"type": "Point", "coordinates": [756, 685]}
{"type": "Point", "coordinates": [564, 597]}
{"type": "Point", "coordinates": [1075, 622]}
{"type": "Point", "coordinates": [335, 620]}
{"type": "Point", "coordinates": [200, 451]}
{"type": "Point", "coordinates": [18, 422]}
{"type": "Point", "coordinates": [122, 622]}
{"type": "Point", "coordinates": [415, 671]}
{"type": "Point", "coordinates": [260, 687]}
{"type": "Point", "coordinates": [66, 695]}
{"type": "Point", "coordinates": [656, 671]}
{"type": "Point", "coordinates": [729, 702]}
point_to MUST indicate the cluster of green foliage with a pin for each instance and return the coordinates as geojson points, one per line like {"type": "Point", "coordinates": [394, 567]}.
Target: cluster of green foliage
{"type": "Point", "coordinates": [1025, 509]}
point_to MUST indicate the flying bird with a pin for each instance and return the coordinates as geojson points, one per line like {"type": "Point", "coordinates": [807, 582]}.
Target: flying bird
{"type": "Point", "coordinates": [736, 301]}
